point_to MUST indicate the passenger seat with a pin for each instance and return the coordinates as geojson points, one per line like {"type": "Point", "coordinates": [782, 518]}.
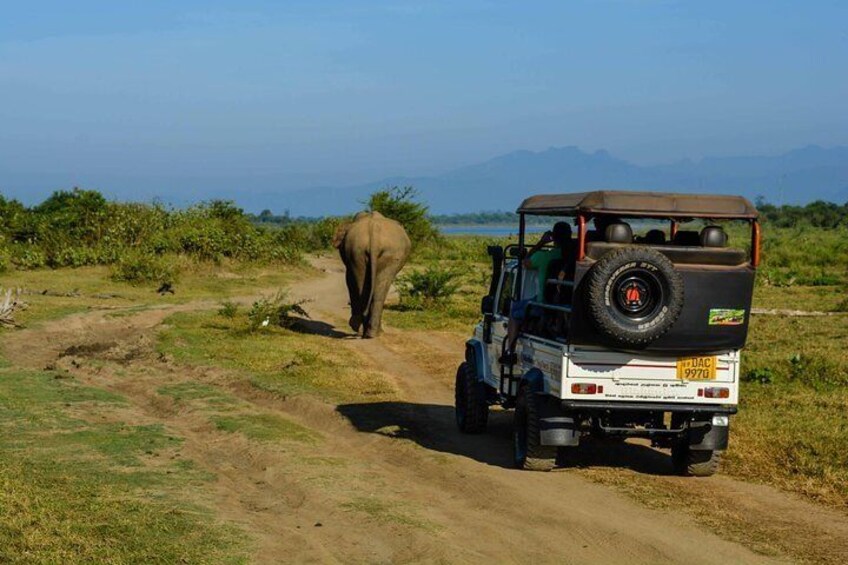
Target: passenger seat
{"type": "Point", "coordinates": [655, 237]}
{"type": "Point", "coordinates": [713, 236]}
{"type": "Point", "coordinates": [619, 233]}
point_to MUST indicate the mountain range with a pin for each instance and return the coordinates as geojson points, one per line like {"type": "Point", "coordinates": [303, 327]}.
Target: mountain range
{"type": "Point", "coordinates": [796, 177]}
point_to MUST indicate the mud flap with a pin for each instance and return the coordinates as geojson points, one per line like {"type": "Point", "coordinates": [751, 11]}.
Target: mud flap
{"type": "Point", "coordinates": [705, 436]}
{"type": "Point", "coordinates": [555, 426]}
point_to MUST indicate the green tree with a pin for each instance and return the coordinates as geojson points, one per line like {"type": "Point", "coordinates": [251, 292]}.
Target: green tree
{"type": "Point", "coordinates": [75, 214]}
{"type": "Point", "coordinates": [400, 204]}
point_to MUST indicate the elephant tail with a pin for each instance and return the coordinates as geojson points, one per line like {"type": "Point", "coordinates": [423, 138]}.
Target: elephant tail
{"type": "Point", "coordinates": [372, 265]}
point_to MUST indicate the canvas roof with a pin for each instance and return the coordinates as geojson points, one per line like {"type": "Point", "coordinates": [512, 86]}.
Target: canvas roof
{"type": "Point", "coordinates": [634, 203]}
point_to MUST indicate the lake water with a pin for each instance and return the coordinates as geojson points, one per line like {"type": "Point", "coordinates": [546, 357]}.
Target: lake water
{"type": "Point", "coordinates": [488, 230]}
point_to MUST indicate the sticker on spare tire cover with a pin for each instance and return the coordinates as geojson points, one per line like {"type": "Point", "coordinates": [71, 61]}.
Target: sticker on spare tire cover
{"type": "Point", "coordinates": [726, 317]}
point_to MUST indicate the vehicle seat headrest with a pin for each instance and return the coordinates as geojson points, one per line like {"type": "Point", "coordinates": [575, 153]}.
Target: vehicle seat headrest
{"type": "Point", "coordinates": [655, 237]}
{"type": "Point", "coordinates": [713, 236]}
{"type": "Point", "coordinates": [619, 233]}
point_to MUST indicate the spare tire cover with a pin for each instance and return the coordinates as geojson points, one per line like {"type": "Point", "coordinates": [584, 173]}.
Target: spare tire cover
{"type": "Point", "coordinates": [635, 295]}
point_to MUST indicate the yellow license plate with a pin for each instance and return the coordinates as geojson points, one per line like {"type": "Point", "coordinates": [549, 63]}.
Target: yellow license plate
{"type": "Point", "coordinates": [696, 369]}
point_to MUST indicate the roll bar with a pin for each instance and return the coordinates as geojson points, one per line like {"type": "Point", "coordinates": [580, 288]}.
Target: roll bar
{"type": "Point", "coordinates": [756, 243]}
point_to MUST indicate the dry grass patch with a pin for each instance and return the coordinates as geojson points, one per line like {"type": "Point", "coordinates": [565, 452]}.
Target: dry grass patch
{"type": "Point", "coordinates": [278, 360]}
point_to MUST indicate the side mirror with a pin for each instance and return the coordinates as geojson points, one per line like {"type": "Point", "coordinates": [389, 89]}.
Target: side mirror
{"type": "Point", "coordinates": [487, 305]}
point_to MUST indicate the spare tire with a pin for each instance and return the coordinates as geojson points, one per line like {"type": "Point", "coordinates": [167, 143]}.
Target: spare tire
{"type": "Point", "coordinates": [635, 295]}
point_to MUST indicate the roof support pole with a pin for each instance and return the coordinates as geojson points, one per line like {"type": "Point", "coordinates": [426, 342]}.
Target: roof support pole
{"type": "Point", "coordinates": [755, 243]}
{"type": "Point", "coordinates": [520, 272]}
{"type": "Point", "coordinates": [581, 237]}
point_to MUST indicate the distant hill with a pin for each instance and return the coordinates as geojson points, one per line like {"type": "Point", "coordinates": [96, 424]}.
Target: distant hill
{"type": "Point", "coordinates": [796, 177]}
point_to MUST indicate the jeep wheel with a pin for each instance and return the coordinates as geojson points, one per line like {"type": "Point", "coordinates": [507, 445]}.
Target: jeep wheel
{"type": "Point", "coordinates": [472, 410]}
{"type": "Point", "coordinates": [528, 451]}
{"type": "Point", "coordinates": [694, 462]}
{"type": "Point", "coordinates": [635, 295]}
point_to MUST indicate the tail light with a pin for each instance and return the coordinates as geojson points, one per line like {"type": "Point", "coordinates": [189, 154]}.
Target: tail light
{"type": "Point", "coordinates": [585, 388]}
{"type": "Point", "coordinates": [716, 392]}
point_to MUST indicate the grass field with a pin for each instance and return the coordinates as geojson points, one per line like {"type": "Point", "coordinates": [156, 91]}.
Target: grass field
{"type": "Point", "coordinates": [76, 490]}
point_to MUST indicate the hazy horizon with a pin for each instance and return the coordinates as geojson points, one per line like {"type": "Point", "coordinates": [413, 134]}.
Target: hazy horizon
{"type": "Point", "coordinates": [169, 100]}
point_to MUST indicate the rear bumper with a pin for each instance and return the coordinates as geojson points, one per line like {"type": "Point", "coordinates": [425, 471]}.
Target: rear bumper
{"type": "Point", "coordinates": [585, 405]}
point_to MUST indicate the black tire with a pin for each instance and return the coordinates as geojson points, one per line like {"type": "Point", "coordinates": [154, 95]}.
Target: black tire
{"type": "Point", "coordinates": [634, 296]}
{"type": "Point", "coordinates": [528, 451]}
{"type": "Point", "coordinates": [694, 462]}
{"type": "Point", "coordinates": [472, 410]}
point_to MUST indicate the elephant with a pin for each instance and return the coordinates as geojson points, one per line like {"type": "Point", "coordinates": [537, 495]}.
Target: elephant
{"type": "Point", "coordinates": [373, 249]}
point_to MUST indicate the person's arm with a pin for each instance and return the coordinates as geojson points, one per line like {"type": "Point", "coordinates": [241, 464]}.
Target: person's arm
{"type": "Point", "coordinates": [546, 238]}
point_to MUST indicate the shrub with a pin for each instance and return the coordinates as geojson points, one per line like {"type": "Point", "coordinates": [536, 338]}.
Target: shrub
{"type": "Point", "coordinates": [428, 288]}
{"type": "Point", "coordinates": [141, 267]}
{"type": "Point", "coordinates": [760, 375]}
{"type": "Point", "coordinates": [27, 257]}
{"type": "Point", "coordinates": [277, 310]}
{"type": "Point", "coordinates": [77, 214]}
{"type": "Point", "coordinates": [323, 231]}
{"type": "Point", "coordinates": [228, 309]}
{"type": "Point", "coordinates": [80, 227]}
{"type": "Point", "coordinates": [399, 204]}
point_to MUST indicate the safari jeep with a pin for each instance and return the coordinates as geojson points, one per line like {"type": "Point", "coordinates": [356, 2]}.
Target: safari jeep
{"type": "Point", "coordinates": [637, 334]}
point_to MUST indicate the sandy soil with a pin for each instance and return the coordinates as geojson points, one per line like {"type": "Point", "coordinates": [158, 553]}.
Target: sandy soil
{"type": "Point", "coordinates": [452, 498]}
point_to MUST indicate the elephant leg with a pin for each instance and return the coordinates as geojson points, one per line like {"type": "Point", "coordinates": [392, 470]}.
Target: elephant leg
{"type": "Point", "coordinates": [355, 308]}
{"type": "Point", "coordinates": [388, 269]}
{"type": "Point", "coordinates": [356, 284]}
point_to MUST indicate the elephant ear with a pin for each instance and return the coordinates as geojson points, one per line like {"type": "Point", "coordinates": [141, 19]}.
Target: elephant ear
{"type": "Point", "coordinates": [340, 234]}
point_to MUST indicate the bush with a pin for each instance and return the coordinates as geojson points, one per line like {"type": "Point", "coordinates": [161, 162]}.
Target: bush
{"type": "Point", "coordinates": [428, 288]}
{"type": "Point", "coordinates": [760, 375]}
{"type": "Point", "coordinates": [27, 257]}
{"type": "Point", "coordinates": [277, 310]}
{"type": "Point", "coordinates": [228, 309]}
{"type": "Point", "coordinates": [140, 267]}
{"type": "Point", "coordinates": [80, 227]}
{"type": "Point", "coordinates": [323, 231]}
{"type": "Point", "coordinates": [399, 204]}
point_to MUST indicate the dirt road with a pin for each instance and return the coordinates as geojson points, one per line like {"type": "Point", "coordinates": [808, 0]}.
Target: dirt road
{"type": "Point", "coordinates": [395, 482]}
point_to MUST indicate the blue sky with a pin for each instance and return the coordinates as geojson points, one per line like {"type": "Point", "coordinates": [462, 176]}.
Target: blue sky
{"type": "Point", "coordinates": [152, 98]}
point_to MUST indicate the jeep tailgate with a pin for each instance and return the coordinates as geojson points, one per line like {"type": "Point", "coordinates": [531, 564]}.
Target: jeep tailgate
{"type": "Point", "coordinates": [632, 377]}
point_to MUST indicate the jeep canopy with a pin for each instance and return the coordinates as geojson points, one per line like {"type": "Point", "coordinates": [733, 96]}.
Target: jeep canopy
{"type": "Point", "coordinates": [633, 203]}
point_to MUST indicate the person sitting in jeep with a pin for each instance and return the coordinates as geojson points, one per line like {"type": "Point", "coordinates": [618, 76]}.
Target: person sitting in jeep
{"type": "Point", "coordinates": [537, 262]}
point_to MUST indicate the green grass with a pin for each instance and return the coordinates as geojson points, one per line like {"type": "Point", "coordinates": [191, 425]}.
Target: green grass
{"type": "Point", "coordinates": [265, 427]}
{"type": "Point", "coordinates": [91, 286]}
{"type": "Point", "coordinates": [276, 360]}
{"type": "Point", "coordinates": [189, 392]}
{"type": "Point", "coordinates": [793, 437]}
{"type": "Point", "coordinates": [77, 491]}
{"type": "Point", "coordinates": [792, 431]}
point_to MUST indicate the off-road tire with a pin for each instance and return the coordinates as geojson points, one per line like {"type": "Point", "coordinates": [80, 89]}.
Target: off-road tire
{"type": "Point", "coordinates": [528, 451]}
{"type": "Point", "coordinates": [662, 287]}
{"type": "Point", "coordinates": [694, 462]}
{"type": "Point", "coordinates": [472, 410]}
